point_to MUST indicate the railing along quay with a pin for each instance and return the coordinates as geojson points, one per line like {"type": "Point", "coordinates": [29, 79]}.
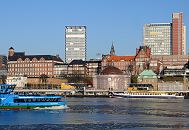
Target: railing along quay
{"type": "Point", "coordinates": [84, 93]}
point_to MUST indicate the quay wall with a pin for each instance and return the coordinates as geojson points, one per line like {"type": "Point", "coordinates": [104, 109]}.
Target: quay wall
{"type": "Point", "coordinates": [171, 86]}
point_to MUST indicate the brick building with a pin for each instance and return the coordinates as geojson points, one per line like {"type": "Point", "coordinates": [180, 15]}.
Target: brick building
{"type": "Point", "coordinates": [121, 62]}
{"type": "Point", "coordinates": [94, 67]}
{"type": "Point", "coordinates": [129, 64]}
{"type": "Point", "coordinates": [159, 63]}
{"type": "Point", "coordinates": [142, 58]}
{"type": "Point", "coordinates": [177, 34]}
{"type": "Point", "coordinates": [78, 68]}
{"type": "Point", "coordinates": [31, 65]}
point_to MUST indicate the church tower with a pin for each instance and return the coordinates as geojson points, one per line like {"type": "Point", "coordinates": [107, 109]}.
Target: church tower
{"type": "Point", "coordinates": [112, 51]}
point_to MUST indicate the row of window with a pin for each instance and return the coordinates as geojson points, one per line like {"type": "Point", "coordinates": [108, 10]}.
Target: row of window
{"type": "Point", "coordinates": [30, 73]}
{"type": "Point", "coordinates": [28, 60]}
{"type": "Point", "coordinates": [30, 69]}
{"type": "Point", "coordinates": [30, 65]}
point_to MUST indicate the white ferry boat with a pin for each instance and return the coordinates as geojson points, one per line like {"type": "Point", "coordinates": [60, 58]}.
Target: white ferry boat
{"type": "Point", "coordinates": [146, 95]}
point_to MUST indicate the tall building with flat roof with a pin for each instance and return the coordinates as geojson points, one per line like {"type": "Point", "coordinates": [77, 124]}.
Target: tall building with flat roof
{"type": "Point", "coordinates": [158, 37]}
{"type": "Point", "coordinates": [184, 41]}
{"type": "Point", "coordinates": [75, 43]}
{"type": "Point", "coordinates": [177, 33]}
{"type": "Point", "coordinates": [166, 38]}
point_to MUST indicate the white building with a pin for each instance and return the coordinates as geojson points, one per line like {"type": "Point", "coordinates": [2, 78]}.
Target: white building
{"type": "Point", "coordinates": [158, 37]}
{"type": "Point", "coordinates": [75, 43]}
{"type": "Point", "coordinates": [19, 81]}
{"type": "Point", "coordinates": [184, 41]}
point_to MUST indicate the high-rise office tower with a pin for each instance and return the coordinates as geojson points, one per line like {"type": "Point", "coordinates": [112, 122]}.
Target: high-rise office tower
{"type": "Point", "coordinates": [177, 33]}
{"type": "Point", "coordinates": [166, 38]}
{"type": "Point", "coordinates": [158, 37]}
{"type": "Point", "coordinates": [75, 43]}
{"type": "Point", "coordinates": [184, 41]}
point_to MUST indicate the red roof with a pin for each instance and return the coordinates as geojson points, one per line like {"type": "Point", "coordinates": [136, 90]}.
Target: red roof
{"type": "Point", "coordinates": [121, 58]}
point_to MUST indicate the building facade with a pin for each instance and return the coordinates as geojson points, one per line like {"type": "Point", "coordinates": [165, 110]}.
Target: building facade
{"type": "Point", "coordinates": [3, 65]}
{"type": "Point", "coordinates": [164, 62]}
{"type": "Point", "coordinates": [112, 79]}
{"type": "Point", "coordinates": [75, 43]}
{"type": "Point", "coordinates": [77, 68]}
{"type": "Point", "coordinates": [142, 59]}
{"type": "Point", "coordinates": [3, 61]}
{"type": "Point", "coordinates": [166, 38]}
{"type": "Point", "coordinates": [172, 60]}
{"type": "Point", "coordinates": [177, 33]}
{"type": "Point", "coordinates": [121, 62]}
{"type": "Point", "coordinates": [20, 64]}
{"type": "Point", "coordinates": [148, 77]}
{"type": "Point", "coordinates": [184, 41]}
{"type": "Point", "coordinates": [158, 38]}
{"type": "Point", "coordinates": [60, 70]}
{"type": "Point", "coordinates": [20, 82]}
{"type": "Point", "coordinates": [94, 67]}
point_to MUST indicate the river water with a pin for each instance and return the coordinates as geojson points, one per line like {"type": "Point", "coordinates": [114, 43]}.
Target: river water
{"type": "Point", "coordinates": [103, 114]}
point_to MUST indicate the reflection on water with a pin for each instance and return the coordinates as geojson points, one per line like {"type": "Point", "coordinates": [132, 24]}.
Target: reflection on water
{"type": "Point", "coordinates": [104, 113]}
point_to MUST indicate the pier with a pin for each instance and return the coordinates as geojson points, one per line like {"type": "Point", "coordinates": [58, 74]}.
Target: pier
{"type": "Point", "coordinates": [85, 93]}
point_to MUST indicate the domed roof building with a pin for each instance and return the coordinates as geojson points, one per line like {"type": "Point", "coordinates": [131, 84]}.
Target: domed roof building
{"type": "Point", "coordinates": [111, 70]}
{"type": "Point", "coordinates": [112, 79]}
{"type": "Point", "coordinates": [148, 77]}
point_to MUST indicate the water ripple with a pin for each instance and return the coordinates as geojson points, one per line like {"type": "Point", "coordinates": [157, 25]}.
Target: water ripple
{"type": "Point", "coordinates": [91, 126]}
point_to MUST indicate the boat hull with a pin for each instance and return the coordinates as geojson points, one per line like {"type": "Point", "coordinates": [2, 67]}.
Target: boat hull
{"type": "Point", "coordinates": [15, 107]}
{"type": "Point", "coordinates": [147, 96]}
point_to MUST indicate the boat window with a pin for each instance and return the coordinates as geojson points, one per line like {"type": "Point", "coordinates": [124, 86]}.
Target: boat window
{"type": "Point", "coordinates": [38, 100]}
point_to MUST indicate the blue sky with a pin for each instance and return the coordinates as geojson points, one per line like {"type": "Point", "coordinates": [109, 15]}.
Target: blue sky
{"type": "Point", "coordinates": [37, 26]}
